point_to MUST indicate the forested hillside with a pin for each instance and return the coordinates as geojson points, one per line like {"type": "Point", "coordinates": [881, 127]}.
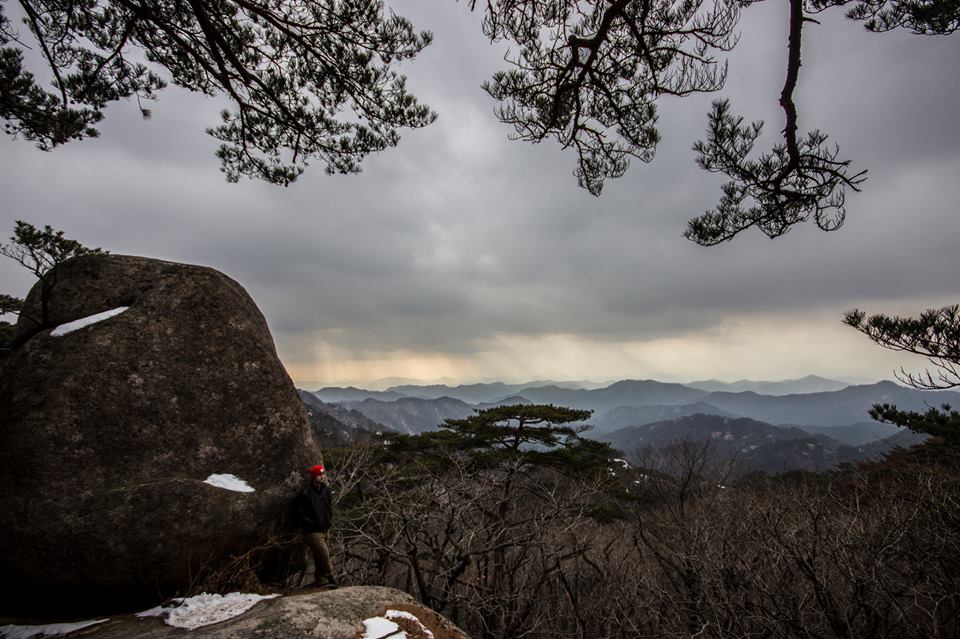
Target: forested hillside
{"type": "Point", "coordinates": [560, 538]}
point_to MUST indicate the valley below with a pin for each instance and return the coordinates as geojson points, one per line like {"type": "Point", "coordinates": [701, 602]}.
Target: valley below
{"type": "Point", "coordinates": [812, 424]}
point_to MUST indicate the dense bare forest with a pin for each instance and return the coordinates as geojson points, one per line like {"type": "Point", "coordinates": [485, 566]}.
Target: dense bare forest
{"type": "Point", "coordinates": [679, 547]}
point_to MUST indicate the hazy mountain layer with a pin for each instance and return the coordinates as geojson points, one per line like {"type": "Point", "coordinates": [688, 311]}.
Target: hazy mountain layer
{"type": "Point", "coordinates": [351, 394]}
{"type": "Point", "coordinates": [855, 434]}
{"type": "Point", "coordinates": [412, 415]}
{"type": "Point", "coordinates": [634, 403]}
{"type": "Point", "coordinates": [808, 384]}
{"type": "Point", "coordinates": [336, 425]}
{"type": "Point", "coordinates": [479, 393]}
{"type": "Point", "coordinates": [626, 416]}
{"type": "Point", "coordinates": [837, 408]}
{"type": "Point", "coordinates": [622, 393]}
{"type": "Point", "coordinates": [751, 445]}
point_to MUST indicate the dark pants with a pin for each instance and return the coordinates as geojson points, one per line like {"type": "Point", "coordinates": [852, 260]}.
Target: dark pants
{"type": "Point", "coordinates": [322, 568]}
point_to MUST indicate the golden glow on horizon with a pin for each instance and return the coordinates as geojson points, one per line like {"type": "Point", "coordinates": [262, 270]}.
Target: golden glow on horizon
{"type": "Point", "coordinates": [760, 349]}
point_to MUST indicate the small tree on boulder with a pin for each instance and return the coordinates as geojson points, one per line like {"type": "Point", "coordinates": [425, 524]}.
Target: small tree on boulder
{"type": "Point", "coordinates": [39, 251]}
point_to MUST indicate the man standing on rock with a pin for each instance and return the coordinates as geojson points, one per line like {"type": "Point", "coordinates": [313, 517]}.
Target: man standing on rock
{"type": "Point", "coordinates": [314, 509]}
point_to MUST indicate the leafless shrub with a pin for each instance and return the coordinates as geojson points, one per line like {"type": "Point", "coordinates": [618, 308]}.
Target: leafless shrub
{"type": "Point", "coordinates": [515, 552]}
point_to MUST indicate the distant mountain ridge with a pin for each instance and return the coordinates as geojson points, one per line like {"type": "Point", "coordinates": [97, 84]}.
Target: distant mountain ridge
{"type": "Point", "coordinates": [628, 392]}
{"type": "Point", "coordinates": [860, 434]}
{"type": "Point", "coordinates": [483, 392]}
{"type": "Point", "coordinates": [412, 415]}
{"type": "Point", "coordinates": [622, 393]}
{"type": "Point", "coordinates": [808, 384]}
{"type": "Point", "coordinates": [626, 416]}
{"type": "Point", "coordinates": [470, 393]}
{"type": "Point", "coordinates": [834, 408]}
{"type": "Point", "coordinates": [487, 392]}
{"type": "Point", "coordinates": [771, 433]}
{"type": "Point", "coordinates": [352, 394]}
{"type": "Point", "coordinates": [752, 445]}
{"type": "Point", "coordinates": [637, 402]}
{"type": "Point", "coordinates": [336, 425]}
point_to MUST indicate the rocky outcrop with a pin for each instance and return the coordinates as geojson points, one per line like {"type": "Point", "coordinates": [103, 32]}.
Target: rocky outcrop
{"type": "Point", "coordinates": [110, 431]}
{"type": "Point", "coordinates": [338, 614]}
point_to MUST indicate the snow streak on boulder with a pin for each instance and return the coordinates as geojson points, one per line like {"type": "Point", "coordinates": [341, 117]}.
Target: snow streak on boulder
{"type": "Point", "coordinates": [109, 432]}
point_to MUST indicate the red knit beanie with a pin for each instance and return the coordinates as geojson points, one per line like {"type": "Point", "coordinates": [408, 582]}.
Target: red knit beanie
{"type": "Point", "coordinates": [316, 470]}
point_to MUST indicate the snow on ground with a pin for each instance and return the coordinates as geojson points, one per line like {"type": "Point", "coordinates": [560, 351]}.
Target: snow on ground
{"type": "Point", "coordinates": [50, 630]}
{"type": "Point", "coordinates": [75, 325]}
{"type": "Point", "coordinates": [229, 482]}
{"type": "Point", "coordinates": [204, 609]}
{"type": "Point", "coordinates": [403, 614]}
{"type": "Point", "coordinates": [377, 627]}
{"type": "Point", "coordinates": [384, 627]}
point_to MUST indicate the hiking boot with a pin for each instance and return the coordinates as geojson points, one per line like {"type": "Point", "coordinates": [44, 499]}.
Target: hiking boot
{"type": "Point", "coordinates": [327, 581]}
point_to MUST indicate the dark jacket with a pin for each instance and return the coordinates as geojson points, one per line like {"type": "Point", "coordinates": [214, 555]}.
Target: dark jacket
{"type": "Point", "coordinates": [314, 508]}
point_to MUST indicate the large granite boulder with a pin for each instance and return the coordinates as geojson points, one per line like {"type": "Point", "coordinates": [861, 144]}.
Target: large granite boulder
{"type": "Point", "coordinates": [109, 432]}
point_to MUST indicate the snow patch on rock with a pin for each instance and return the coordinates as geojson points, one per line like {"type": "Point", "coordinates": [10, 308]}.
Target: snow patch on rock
{"type": "Point", "coordinates": [204, 609]}
{"type": "Point", "coordinates": [49, 630]}
{"type": "Point", "coordinates": [76, 325]}
{"type": "Point", "coordinates": [377, 627]}
{"type": "Point", "coordinates": [403, 614]}
{"type": "Point", "coordinates": [229, 482]}
{"type": "Point", "coordinates": [386, 628]}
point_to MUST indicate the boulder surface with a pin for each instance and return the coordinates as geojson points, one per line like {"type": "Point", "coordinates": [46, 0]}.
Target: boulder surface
{"type": "Point", "coordinates": [338, 614]}
{"type": "Point", "coordinates": [108, 433]}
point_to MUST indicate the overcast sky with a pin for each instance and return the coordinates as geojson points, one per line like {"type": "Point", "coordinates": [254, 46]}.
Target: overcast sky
{"type": "Point", "coordinates": [463, 256]}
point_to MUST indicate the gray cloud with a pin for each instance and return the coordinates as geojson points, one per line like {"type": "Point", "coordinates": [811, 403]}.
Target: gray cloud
{"type": "Point", "coordinates": [460, 236]}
